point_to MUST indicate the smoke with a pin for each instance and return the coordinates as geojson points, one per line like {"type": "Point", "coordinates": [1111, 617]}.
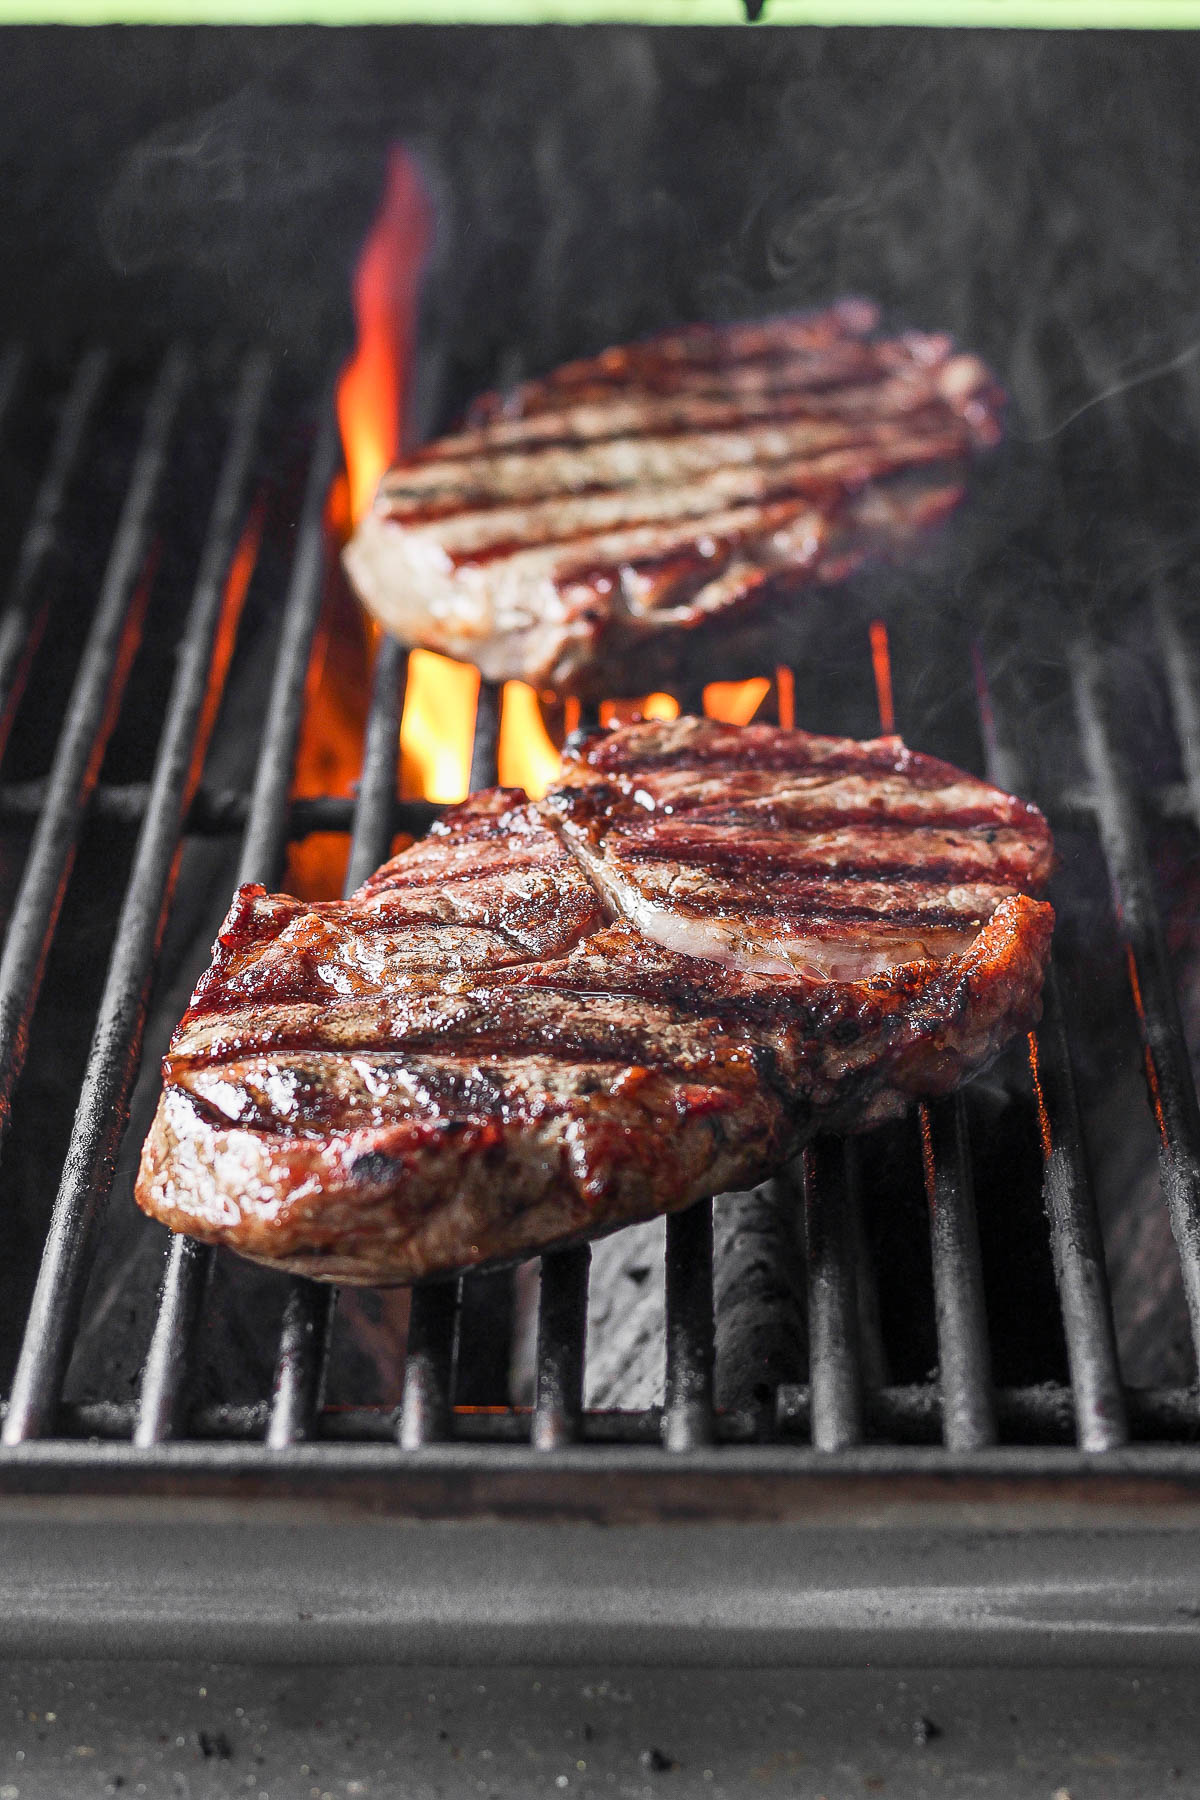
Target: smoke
{"type": "Point", "coordinates": [1032, 193]}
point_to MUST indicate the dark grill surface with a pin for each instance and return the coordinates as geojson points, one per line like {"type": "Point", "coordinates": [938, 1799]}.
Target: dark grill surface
{"type": "Point", "coordinates": [908, 1301]}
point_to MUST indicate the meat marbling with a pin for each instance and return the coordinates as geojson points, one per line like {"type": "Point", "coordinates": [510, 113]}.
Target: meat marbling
{"type": "Point", "coordinates": [547, 1020]}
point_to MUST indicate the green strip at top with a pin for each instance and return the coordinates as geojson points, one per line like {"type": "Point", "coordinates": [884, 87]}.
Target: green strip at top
{"type": "Point", "coordinates": [1045, 15]}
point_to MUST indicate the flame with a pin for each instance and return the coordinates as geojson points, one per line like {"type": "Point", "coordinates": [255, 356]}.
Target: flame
{"type": "Point", "coordinates": [329, 753]}
{"type": "Point", "coordinates": [785, 688]}
{"type": "Point", "coordinates": [650, 706]}
{"type": "Point", "coordinates": [526, 755]}
{"type": "Point", "coordinates": [438, 726]}
{"type": "Point", "coordinates": [373, 391]}
{"type": "Point", "coordinates": [735, 702]}
{"type": "Point", "coordinates": [441, 695]}
{"type": "Point", "coordinates": [881, 662]}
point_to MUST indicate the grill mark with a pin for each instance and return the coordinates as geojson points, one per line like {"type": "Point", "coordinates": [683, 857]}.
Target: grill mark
{"type": "Point", "coordinates": [816, 916]}
{"type": "Point", "coordinates": [608, 758]}
{"type": "Point", "coordinates": [828, 491]}
{"type": "Point", "coordinates": [537, 475]}
{"type": "Point", "coordinates": [790, 816]}
{"type": "Point", "coordinates": [844, 468]}
{"type": "Point", "coordinates": [444, 1100]}
{"type": "Point", "coordinates": [566, 1042]}
{"type": "Point", "coordinates": [935, 873]}
{"type": "Point", "coordinates": [728, 448]}
{"type": "Point", "coordinates": [454, 876]}
{"type": "Point", "coordinates": [872, 427]}
{"type": "Point", "coordinates": [774, 859]}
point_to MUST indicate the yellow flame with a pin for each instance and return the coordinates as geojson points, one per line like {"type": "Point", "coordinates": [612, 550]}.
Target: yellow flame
{"type": "Point", "coordinates": [650, 706]}
{"type": "Point", "coordinates": [372, 389]}
{"type": "Point", "coordinates": [438, 725]}
{"type": "Point", "coordinates": [735, 702]}
{"type": "Point", "coordinates": [525, 754]}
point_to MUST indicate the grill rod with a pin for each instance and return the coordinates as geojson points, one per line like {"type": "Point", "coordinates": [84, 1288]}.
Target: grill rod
{"type": "Point", "coordinates": [835, 1373]}
{"type": "Point", "coordinates": [426, 1411]}
{"type": "Point", "coordinates": [23, 620]}
{"type": "Point", "coordinates": [1077, 1246]}
{"type": "Point", "coordinates": [103, 1109]}
{"type": "Point", "coordinates": [309, 1313]}
{"type": "Point", "coordinates": [163, 1393]}
{"type": "Point", "coordinates": [91, 713]}
{"type": "Point", "coordinates": [964, 1359]}
{"type": "Point", "coordinates": [908, 1414]}
{"type": "Point", "coordinates": [1168, 1067]}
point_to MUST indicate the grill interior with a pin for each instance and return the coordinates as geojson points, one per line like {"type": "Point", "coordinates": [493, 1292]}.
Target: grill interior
{"type": "Point", "coordinates": [1016, 1266]}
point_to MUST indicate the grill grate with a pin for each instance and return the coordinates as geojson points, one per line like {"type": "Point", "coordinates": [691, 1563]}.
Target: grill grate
{"type": "Point", "coordinates": [846, 1403]}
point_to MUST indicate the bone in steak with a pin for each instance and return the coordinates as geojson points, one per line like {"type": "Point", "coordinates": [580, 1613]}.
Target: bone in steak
{"type": "Point", "coordinates": [625, 505]}
{"type": "Point", "coordinates": [546, 1021]}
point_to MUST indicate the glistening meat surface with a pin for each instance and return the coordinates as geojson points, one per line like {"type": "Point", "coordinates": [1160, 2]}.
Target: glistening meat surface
{"type": "Point", "coordinates": [624, 505]}
{"type": "Point", "coordinates": [546, 1021]}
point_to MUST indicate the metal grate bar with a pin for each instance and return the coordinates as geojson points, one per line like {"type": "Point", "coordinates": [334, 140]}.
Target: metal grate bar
{"type": "Point", "coordinates": [91, 713]}
{"type": "Point", "coordinates": [1044, 1414]}
{"type": "Point", "coordinates": [309, 1314]}
{"type": "Point", "coordinates": [374, 810]}
{"type": "Point", "coordinates": [486, 742]}
{"type": "Point", "coordinates": [1076, 1242]}
{"type": "Point", "coordinates": [964, 1363]}
{"type": "Point", "coordinates": [688, 1411]}
{"type": "Point", "coordinates": [216, 812]}
{"type": "Point", "coordinates": [299, 1384]}
{"type": "Point", "coordinates": [102, 1113]}
{"type": "Point", "coordinates": [162, 1396]}
{"type": "Point", "coordinates": [1168, 1068]}
{"type": "Point", "coordinates": [562, 1330]}
{"type": "Point", "coordinates": [22, 622]}
{"type": "Point", "coordinates": [835, 1379]}
{"type": "Point", "coordinates": [162, 1399]}
{"type": "Point", "coordinates": [904, 1415]}
{"type": "Point", "coordinates": [426, 1403]}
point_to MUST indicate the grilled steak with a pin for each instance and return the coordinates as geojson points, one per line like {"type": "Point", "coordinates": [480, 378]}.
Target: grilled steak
{"type": "Point", "coordinates": [624, 505]}
{"type": "Point", "coordinates": [546, 1021]}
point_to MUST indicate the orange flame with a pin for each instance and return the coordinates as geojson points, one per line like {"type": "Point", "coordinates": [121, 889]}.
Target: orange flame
{"type": "Point", "coordinates": [372, 402]}
{"type": "Point", "coordinates": [438, 727]}
{"type": "Point", "coordinates": [372, 394]}
{"type": "Point", "coordinates": [526, 755]}
{"type": "Point", "coordinates": [735, 702]}
{"type": "Point", "coordinates": [881, 662]}
{"type": "Point", "coordinates": [785, 688]}
{"type": "Point", "coordinates": [650, 706]}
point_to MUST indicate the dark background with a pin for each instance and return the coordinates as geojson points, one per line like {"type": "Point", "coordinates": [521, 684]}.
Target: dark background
{"type": "Point", "coordinates": [594, 182]}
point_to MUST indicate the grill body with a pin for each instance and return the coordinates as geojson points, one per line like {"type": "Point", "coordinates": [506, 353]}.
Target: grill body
{"type": "Point", "coordinates": [929, 1397]}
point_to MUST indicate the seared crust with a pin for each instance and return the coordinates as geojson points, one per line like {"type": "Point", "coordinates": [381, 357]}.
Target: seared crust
{"type": "Point", "coordinates": [583, 529]}
{"type": "Point", "coordinates": [472, 1060]}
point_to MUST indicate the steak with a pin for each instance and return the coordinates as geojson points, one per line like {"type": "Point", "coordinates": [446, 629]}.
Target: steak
{"type": "Point", "coordinates": [624, 505]}
{"type": "Point", "coordinates": [546, 1021]}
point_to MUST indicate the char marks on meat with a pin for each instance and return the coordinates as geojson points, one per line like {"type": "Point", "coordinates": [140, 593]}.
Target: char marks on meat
{"type": "Point", "coordinates": [622, 504]}
{"type": "Point", "coordinates": [546, 1021]}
